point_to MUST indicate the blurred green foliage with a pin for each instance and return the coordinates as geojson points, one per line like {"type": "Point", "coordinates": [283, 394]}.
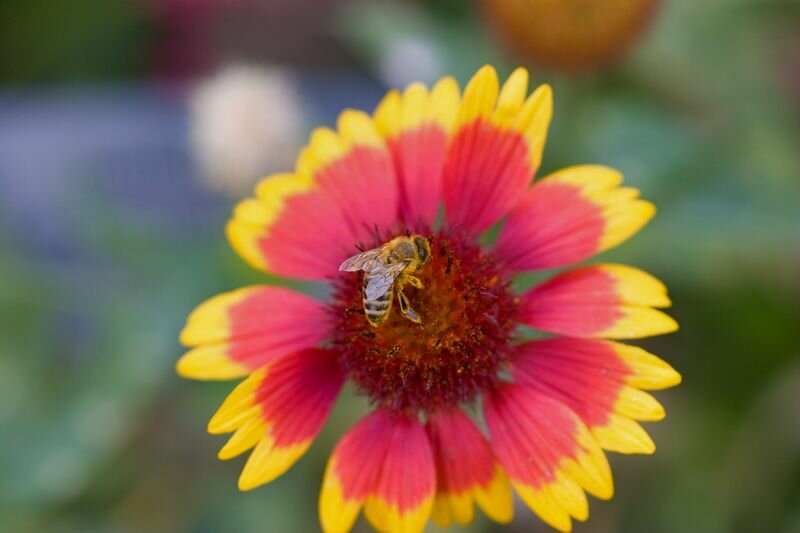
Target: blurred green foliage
{"type": "Point", "coordinates": [77, 41]}
{"type": "Point", "coordinates": [100, 435]}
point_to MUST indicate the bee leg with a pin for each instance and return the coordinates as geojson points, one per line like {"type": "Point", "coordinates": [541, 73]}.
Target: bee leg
{"type": "Point", "coordinates": [405, 308]}
{"type": "Point", "coordinates": [414, 282]}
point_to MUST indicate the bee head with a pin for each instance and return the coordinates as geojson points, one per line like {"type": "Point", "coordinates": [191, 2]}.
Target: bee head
{"type": "Point", "coordinates": [423, 249]}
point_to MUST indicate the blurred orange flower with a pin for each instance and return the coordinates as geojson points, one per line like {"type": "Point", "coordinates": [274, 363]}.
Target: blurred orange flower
{"type": "Point", "coordinates": [569, 34]}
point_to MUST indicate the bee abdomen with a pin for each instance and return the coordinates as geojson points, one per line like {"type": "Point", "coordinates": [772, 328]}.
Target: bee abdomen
{"type": "Point", "coordinates": [377, 310]}
{"type": "Point", "coordinates": [381, 304]}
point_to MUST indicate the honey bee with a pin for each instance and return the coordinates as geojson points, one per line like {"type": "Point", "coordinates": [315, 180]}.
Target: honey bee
{"type": "Point", "coordinates": [388, 268]}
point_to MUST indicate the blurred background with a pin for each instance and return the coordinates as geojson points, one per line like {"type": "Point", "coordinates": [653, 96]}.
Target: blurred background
{"type": "Point", "coordinates": [128, 129]}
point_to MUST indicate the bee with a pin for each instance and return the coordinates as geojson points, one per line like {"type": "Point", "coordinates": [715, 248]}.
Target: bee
{"type": "Point", "coordinates": [388, 269]}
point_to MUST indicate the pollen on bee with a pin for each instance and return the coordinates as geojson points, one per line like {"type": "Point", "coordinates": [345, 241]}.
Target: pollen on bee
{"type": "Point", "coordinates": [467, 318]}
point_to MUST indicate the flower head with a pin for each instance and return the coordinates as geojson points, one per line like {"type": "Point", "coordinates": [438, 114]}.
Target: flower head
{"type": "Point", "coordinates": [551, 405]}
{"type": "Point", "coordinates": [570, 34]}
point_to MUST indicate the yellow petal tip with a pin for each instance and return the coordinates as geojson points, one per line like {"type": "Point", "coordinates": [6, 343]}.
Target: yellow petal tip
{"type": "Point", "coordinates": [208, 363]}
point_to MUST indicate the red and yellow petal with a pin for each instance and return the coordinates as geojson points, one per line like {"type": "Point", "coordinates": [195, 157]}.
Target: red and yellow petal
{"type": "Point", "coordinates": [354, 168]}
{"type": "Point", "coordinates": [278, 411]}
{"type": "Point", "coordinates": [385, 465]}
{"type": "Point", "coordinates": [569, 216]}
{"type": "Point", "coordinates": [291, 228]}
{"type": "Point", "coordinates": [304, 224]}
{"type": "Point", "coordinates": [548, 454]}
{"type": "Point", "coordinates": [600, 381]}
{"type": "Point", "coordinates": [466, 472]}
{"type": "Point", "coordinates": [496, 148]}
{"type": "Point", "coordinates": [417, 125]}
{"type": "Point", "coordinates": [606, 301]}
{"type": "Point", "coordinates": [237, 332]}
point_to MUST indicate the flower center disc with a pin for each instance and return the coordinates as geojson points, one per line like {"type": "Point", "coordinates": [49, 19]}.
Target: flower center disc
{"type": "Point", "coordinates": [467, 315]}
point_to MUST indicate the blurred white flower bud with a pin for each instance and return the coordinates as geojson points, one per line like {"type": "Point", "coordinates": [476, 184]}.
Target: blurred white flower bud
{"type": "Point", "coordinates": [246, 122]}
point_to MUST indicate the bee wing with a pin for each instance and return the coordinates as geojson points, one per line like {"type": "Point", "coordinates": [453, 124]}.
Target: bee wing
{"type": "Point", "coordinates": [382, 278]}
{"type": "Point", "coordinates": [366, 261]}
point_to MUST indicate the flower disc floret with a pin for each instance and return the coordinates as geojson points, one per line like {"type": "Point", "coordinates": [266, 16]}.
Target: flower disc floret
{"type": "Point", "coordinates": [468, 316]}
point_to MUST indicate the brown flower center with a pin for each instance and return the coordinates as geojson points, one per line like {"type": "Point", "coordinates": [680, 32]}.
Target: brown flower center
{"type": "Point", "coordinates": [468, 315]}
